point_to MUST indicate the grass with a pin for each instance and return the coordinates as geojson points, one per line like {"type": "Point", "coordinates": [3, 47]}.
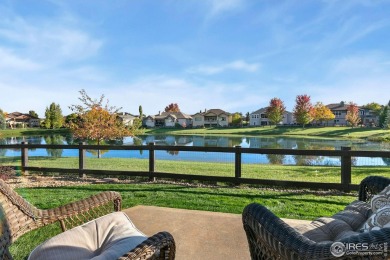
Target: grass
{"type": "Point", "coordinates": [330, 174]}
{"type": "Point", "coordinates": [18, 132]}
{"type": "Point", "coordinates": [300, 204]}
{"type": "Point", "coordinates": [373, 134]}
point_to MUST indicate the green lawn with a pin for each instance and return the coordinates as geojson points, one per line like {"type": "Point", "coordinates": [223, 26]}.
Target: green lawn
{"type": "Point", "coordinates": [374, 134]}
{"type": "Point", "coordinates": [31, 131]}
{"type": "Point", "coordinates": [295, 204]}
{"type": "Point", "coordinates": [329, 174]}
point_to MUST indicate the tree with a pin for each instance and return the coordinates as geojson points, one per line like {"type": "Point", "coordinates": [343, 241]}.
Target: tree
{"type": "Point", "coordinates": [353, 116]}
{"type": "Point", "coordinates": [173, 107]}
{"type": "Point", "coordinates": [247, 118]}
{"type": "Point", "coordinates": [2, 120]}
{"type": "Point", "coordinates": [322, 113]}
{"type": "Point", "coordinates": [97, 122]}
{"type": "Point", "coordinates": [384, 117]}
{"type": "Point", "coordinates": [53, 116]}
{"type": "Point", "coordinates": [33, 113]}
{"type": "Point", "coordinates": [236, 119]}
{"type": "Point", "coordinates": [303, 110]}
{"type": "Point", "coordinates": [141, 114]}
{"type": "Point", "coordinates": [275, 111]}
{"type": "Point", "coordinates": [374, 107]}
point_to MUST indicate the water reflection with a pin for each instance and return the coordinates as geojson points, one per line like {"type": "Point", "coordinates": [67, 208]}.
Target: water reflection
{"type": "Point", "coordinates": [209, 141]}
{"type": "Point", "coordinates": [54, 139]}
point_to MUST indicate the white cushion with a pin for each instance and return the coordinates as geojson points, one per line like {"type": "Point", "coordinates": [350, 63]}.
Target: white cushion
{"type": "Point", "coordinates": [381, 200]}
{"type": "Point", "coordinates": [107, 237]}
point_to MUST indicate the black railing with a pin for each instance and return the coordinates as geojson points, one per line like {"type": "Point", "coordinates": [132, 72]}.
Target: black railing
{"type": "Point", "coordinates": [345, 154]}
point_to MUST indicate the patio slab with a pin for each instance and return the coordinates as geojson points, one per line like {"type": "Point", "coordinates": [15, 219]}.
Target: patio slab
{"type": "Point", "coordinates": [199, 235]}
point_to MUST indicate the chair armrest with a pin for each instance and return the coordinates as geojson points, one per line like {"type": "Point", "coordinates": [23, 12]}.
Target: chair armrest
{"type": "Point", "coordinates": [372, 185]}
{"type": "Point", "coordinates": [79, 212]}
{"type": "Point", "coordinates": [271, 238]}
{"type": "Point", "coordinates": [159, 246]}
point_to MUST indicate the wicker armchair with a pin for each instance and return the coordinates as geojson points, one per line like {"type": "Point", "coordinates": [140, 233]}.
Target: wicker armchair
{"type": "Point", "coordinates": [17, 217]}
{"type": "Point", "coordinates": [269, 237]}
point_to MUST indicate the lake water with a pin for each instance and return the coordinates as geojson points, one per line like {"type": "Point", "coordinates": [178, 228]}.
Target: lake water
{"type": "Point", "coordinates": [212, 141]}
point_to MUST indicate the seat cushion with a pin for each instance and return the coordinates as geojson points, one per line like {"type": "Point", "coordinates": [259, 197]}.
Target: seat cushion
{"type": "Point", "coordinates": [107, 237]}
{"type": "Point", "coordinates": [341, 225]}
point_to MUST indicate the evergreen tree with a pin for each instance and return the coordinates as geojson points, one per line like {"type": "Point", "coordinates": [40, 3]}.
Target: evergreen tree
{"type": "Point", "coordinates": [384, 117]}
{"type": "Point", "coordinates": [53, 116]}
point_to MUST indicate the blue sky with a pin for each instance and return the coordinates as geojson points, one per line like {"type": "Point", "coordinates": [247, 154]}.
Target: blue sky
{"type": "Point", "coordinates": [230, 54]}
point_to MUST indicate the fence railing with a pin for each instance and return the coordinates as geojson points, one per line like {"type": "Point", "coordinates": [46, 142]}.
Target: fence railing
{"type": "Point", "coordinates": [345, 154]}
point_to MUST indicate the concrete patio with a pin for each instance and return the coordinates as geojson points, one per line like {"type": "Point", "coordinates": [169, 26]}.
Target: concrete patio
{"type": "Point", "coordinates": [199, 235]}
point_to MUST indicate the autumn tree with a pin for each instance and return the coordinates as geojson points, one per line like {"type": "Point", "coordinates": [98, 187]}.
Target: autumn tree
{"type": "Point", "coordinates": [53, 116]}
{"type": "Point", "coordinates": [173, 107]}
{"type": "Point", "coordinates": [322, 113]}
{"type": "Point", "coordinates": [275, 111]}
{"type": "Point", "coordinates": [97, 121]}
{"type": "Point", "coordinates": [353, 116]}
{"type": "Point", "coordinates": [303, 110]}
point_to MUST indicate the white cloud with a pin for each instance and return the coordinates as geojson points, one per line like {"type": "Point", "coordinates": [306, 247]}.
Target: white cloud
{"type": "Point", "coordinates": [52, 41]}
{"type": "Point", "coordinates": [10, 60]}
{"type": "Point", "coordinates": [238, 65]}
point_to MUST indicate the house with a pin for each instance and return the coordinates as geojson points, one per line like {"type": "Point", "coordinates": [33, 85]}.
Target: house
{"type": "Point", "coordinates": [368, 117]}
{"type": "Point", "coordinates": [126, 118]}
{"type": "Point", "coordinates": [340, 112]}
{"type": "Point", "coordinates": [168, 119]}
{"type": "Point", "coordinates": [212, 118]}
{"type": "Point", "coordinates": [259, 118]}
{"type": "Point", "coordinates": [19, 119]}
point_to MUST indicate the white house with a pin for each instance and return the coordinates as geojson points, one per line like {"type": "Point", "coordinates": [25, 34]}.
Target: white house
{"type": "Point", "coordinates": [259, 118]}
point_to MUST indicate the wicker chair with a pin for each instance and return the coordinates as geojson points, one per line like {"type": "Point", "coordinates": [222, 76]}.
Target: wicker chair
{"type": "Point", "coordinates": [17, 217]}
{"type": "Point", "coordinates": [269, 237]}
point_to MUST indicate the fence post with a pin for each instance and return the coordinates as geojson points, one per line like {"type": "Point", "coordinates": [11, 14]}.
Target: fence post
{"type": "Point", "coordinates": [81, 159]}
{"type": "Point", "coordinates": [346, 165]}
{"type": "Point", "coordinates": [24, 158]}
{"type": "Point", "coordinates": [151, 161]}
{"type": "Point", "coordinates": [237, 164]}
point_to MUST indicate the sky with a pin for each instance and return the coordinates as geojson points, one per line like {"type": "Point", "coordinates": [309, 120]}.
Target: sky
{"type": "Point", "coordinates": [234, 55]}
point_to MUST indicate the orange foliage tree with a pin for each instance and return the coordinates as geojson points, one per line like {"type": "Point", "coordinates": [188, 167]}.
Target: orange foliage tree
{"type": "Point", "coordinates": [275, 110]}
{"type": "Point", "coordinates": [303, 110]}
{"type": "Point", "coordinates": [322, 113]}
{"type": "Point", "coordinates": [96, 121]}
{"type": "Point", "coordinates": [353, 116]}
{"type": "Point", "coordinates": [173, 107]}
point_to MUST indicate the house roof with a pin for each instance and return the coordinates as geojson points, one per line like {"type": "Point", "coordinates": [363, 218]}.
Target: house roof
{"type": "Point", "coordinates": [176, 115]}
{"type": "Point", "coordinates": [213, 111]}
{"type": "Point", "coordinates": [264, 110]}
{"type": "Point", "coordinates": [338, 106]}
{"type": "Point", "coordinates": [20, 116]}
{"type": "Point", "coordinates": [260, 111]}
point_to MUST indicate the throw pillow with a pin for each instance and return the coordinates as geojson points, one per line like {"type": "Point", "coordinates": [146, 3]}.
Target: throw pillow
{"type": "Point", "coordinates": [378, 220]}
{"type": "Point", "coordinates": [381, 200]}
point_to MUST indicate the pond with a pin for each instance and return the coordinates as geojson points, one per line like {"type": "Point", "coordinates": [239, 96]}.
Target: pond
{"type": "Point", "coordinates": [212, 141]}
